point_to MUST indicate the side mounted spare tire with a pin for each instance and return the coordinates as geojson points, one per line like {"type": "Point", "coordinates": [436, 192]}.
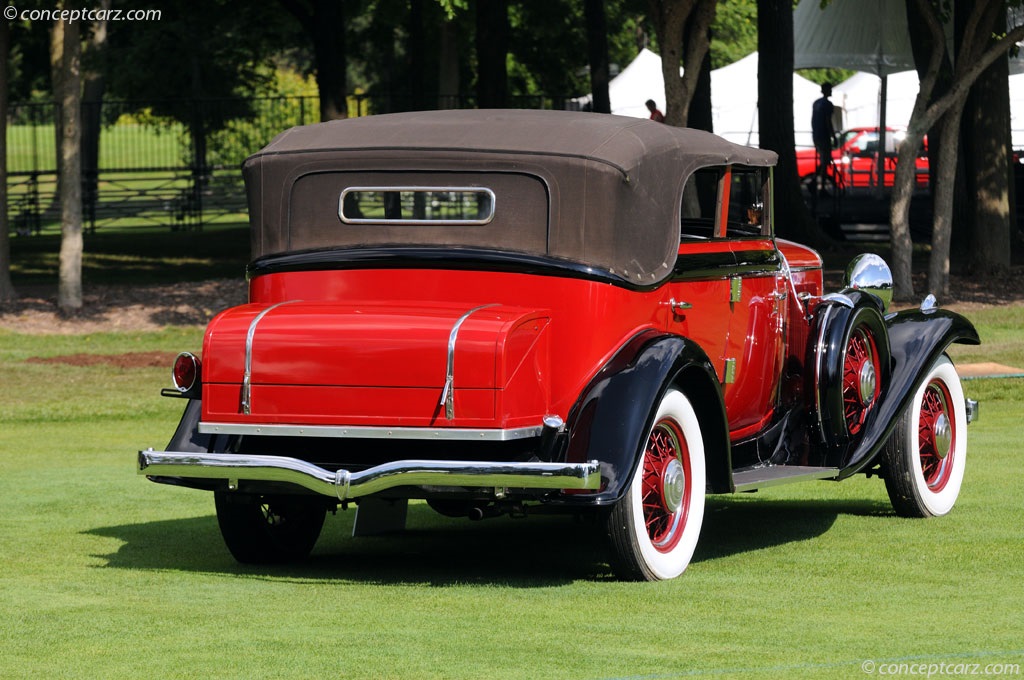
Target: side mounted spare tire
{"type": "Point", "coordinates": [852, 371]}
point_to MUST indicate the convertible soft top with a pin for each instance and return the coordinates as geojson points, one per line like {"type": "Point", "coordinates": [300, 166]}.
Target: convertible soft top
{"type": "Point", "coordinates": [598, 190]}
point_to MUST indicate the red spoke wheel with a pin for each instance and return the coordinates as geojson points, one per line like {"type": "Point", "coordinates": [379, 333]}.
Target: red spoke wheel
{"type": "Point", "coordinates": [861, 371]}
{"type": "Point", "coordinates": [654, 528]}
{"type": "Point", "coordinates": [926, 455]}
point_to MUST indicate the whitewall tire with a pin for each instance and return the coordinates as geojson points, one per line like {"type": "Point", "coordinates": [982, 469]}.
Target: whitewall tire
{"type": "Point", "coordinates": [653, 529]}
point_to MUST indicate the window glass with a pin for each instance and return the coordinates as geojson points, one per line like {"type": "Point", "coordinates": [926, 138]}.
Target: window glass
{"type": "Point", "coordinates": [416, 205]}
{"type": "Point", "coordinates": [740, 193]}
{"type": "Point", "coordinates": [747, 202]}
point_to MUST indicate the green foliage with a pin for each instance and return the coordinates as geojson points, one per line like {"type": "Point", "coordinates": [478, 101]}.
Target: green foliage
{"type": "Point", "coordinates": [734, 31]}
{"type": "Point", "coordinates": [826, 75]}
{"type": "Point", "coordinates": [208, 51]}
{"type": "Point", "coordinates": [286, 100]}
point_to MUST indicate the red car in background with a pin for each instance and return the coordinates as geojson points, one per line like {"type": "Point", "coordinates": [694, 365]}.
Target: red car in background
{"type": "Point", "coordinates": [855, 159]}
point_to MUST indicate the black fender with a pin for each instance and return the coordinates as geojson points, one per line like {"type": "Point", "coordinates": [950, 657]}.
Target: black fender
{"type": "Point", "coordinates": [187, 436]}
{"type": "Point", "coordinates": [611, 420]}
{"type": "Point", "coordinates": [916, 339]}
{"type": "Point", "coordinates": [835, 320]}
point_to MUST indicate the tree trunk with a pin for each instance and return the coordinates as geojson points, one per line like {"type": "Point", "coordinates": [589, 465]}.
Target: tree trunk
{"type": "Point", "coordinates": [69, 291]}
{"type": "Point", "coordinates": [597, 54]}
{"type": "Point", "coordinates": [93, 85]}
{"type": "Point", "coordinates": [669, 19]}
{"type": "Point", "coordinates": [328, 33]}
{"type": "Point", "coordinates": [699, 115]}
{"type": "Point", "coordinates": [945, 189]}
{"type": "Point", "coordinates": [987, 149]}
{"type": "Point", "coordinates": [6, 288]}
{"type": "Point", "coordinates": [448, 69]}
{"type": "Point", "coordinates": [775, 118]}
{"type": "Point", "coordinates": [416, 57]}
{"type": "Point", "coordinates": [492, 36]}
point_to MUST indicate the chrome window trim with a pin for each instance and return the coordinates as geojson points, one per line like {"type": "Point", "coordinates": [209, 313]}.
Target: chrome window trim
{"type": "Point", "coordinates": [416, 223]}
{"type": "Point", "coordinates": [369, 432]}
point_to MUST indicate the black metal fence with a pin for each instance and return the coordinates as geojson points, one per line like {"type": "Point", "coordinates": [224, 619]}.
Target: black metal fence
{"type": "Point", "coordinates": [172, 162]}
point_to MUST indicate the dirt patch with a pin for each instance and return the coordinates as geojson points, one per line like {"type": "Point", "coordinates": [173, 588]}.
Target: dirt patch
{"type": "Point", "coordinates": [126, 360]}
{"type": "Point", "coordinates": [120, 308]}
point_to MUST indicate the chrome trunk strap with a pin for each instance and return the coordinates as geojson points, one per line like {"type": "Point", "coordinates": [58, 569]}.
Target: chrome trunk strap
{"type": "Point", "coordinates": [247, 376]}
{"type": "Point", "coordinates": [448, 393]}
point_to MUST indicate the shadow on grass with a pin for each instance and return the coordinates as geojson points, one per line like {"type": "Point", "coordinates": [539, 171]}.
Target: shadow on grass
{"type": "Point", "coordinates": [540, 551]}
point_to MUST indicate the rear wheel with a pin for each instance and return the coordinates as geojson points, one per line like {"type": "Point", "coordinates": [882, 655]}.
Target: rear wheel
{"type": "Point", "coordinates": [653, 529]}
{"type": "Point", "coordinates": [269, 529]}
{"type": "Point", "coordinates": [926, 455]}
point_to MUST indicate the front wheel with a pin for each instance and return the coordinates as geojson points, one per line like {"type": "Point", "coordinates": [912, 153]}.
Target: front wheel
{"type": "Point", "coordinates": [262, 529]}
{"type": "Point", "coordinates": [653, 529]}
{"type": "Point", "coordinates": [925, 457]}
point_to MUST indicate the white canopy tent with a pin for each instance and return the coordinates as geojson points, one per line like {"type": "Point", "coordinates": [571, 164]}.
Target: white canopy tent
{"type": "Point", "coordinates": [859, 98]}
{"type": "Point", "coordinates": [733, 96]}
{"type": "Point", "coordinates": [734, 103]}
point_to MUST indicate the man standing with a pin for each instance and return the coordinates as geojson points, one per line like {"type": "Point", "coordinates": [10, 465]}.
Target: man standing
{"type": "Point", "coordinates": [822, 131]}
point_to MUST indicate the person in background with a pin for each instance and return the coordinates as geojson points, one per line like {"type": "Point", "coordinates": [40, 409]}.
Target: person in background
{"type": "Point", "coordinates": [656, 115]}
{"type": "Point", "coordinates": [822, 132]}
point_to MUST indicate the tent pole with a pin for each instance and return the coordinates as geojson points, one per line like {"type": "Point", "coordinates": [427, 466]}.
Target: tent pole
{"type": "Point", "coordinates": [883, 137]}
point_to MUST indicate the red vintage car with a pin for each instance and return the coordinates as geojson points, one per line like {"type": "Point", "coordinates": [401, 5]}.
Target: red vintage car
{"type": "Point", "coordinates": [855, 160]}
{"type": "Point", "coordinates": [509, 311]}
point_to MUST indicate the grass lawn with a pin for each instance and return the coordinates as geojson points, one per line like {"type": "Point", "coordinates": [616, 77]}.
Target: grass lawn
{"type": "Point", "coordinates": [104, 574]}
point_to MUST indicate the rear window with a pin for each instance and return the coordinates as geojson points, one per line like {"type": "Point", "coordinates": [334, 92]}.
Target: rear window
{"type": "Point", "coordinates": [416, 206]}
{"type": "Point", "coordinates": [490, 210]}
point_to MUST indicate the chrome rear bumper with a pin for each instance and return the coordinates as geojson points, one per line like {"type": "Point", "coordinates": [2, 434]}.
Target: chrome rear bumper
{"type": "Point", "coordinates": [346, 485]}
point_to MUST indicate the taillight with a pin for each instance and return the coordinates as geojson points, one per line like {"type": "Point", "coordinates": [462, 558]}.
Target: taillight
{"type": "Point", "coordinates": [185, 372]}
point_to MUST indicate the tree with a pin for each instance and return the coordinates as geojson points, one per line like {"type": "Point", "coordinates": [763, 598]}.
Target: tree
{"type": "Point", "coordinates": [671, 18]}
{"type": "Point", "coordinates": [987, 176]}
{"type": "Point", "coordinates": [6, 288]}
{"type": "Point", "coordinates": [323, 22]}
{"type": "Point", "coordinates": [492, 41]}
{"type": "Point", "coordinates": [93, 84]}
{"type": "Point", "coordinates": [775, 117]}
{"type": "Point", "coordinates": [976, 53]}
{"type": "Point", "coordinates": [597, 53]}
{"type": "Point", "coordinates": [67, 50]}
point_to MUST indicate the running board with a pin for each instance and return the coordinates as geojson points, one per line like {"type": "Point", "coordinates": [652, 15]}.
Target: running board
{"type": "Point", "coordinates": [749, 479]}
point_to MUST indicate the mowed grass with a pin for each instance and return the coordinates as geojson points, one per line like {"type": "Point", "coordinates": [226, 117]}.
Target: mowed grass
{"type": "Point", "coordinates": [104, 574]}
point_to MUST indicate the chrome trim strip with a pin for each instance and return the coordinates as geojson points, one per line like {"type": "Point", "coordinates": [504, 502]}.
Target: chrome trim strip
{"type": "Point", "coordinates": [361, 432]}
{"type": "Point", "coordinates": [249, 336]}
{"type": "Point", "coordinates": [344, 485]}
{"type": "Point", "coordinates": [417, 223]}
{"type": "Point", "coordinates": [448, 393]}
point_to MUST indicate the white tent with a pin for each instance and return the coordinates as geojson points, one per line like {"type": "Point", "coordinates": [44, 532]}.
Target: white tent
{"type": "Point", "coordinates": [733, 96]}
{"type": "Point", "coordinates": [635, 84]}
{"type": "Point", "coordinates": [859, 99]}
{"type": "Point", "coordinates": [734, 103]}
{"type": "Point", "coordinates": [862, 35]}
